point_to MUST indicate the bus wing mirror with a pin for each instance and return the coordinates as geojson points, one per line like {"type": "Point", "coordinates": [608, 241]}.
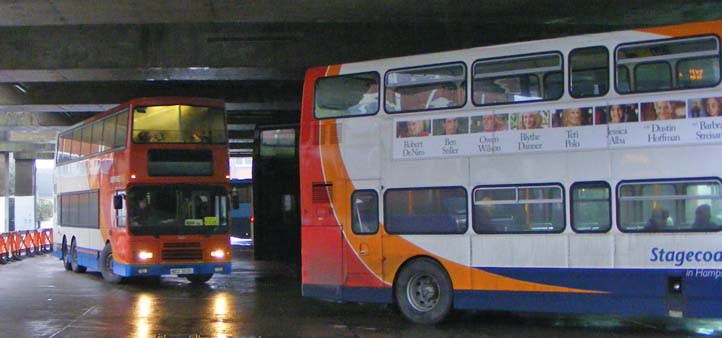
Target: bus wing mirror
{"type": "Point", "coordinates": [118, 202]}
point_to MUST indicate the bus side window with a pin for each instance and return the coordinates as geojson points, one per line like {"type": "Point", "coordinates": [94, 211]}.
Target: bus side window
{"type": "Point", "coordinates": [426, 87]}
{"type": "Point", "coordinates": [623, 82]}
{"type": "Point", "coordinates": [553, 86]}
{"type": "Point", "coordinates": [364, 212]}
{"type": "Point", "coordinates": [517, 79]}
{"type": "Point", "coordinates": [346, 95]}
{"type": "Point", "coordinates": [518, 209]}
{"type": "Point", "coordinates": [120, 213]}
{"type": "Point", "coordinates": [670, 64]}
{"type": "Point", "coordinates": [589, 72]}
{"type": "Point", "coordinates": [591, 206]}
{"type": "Point", "coordinates": [681, 205]}
{"type": "Point", "coordinates": [653, 76]}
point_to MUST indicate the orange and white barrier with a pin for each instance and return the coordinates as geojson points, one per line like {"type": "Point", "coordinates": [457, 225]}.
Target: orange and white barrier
{"type": "Point", "coordinates": [15, 244]}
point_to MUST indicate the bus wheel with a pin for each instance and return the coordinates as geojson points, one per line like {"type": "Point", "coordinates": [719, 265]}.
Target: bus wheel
{"type": "Point", "coordinates": [423, 292]}
{"type": "Point", "coordinates": [200, 278]}
{"type": "Point", "coordinates": [74, 259]}
{"type": "Point", "coordinates": [66, 257]}
{"type": "Point", "coordinates": [106, 266]}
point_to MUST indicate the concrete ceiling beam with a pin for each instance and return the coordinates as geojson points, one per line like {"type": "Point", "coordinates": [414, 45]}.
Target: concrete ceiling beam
{"type": "Point", "coordinates": [149, 74]}
{"type": "Point", "coordinates": [26, 147]}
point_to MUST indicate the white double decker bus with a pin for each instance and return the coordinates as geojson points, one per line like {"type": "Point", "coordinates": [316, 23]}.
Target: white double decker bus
{"type": "Point", "coordinates": [577, 174]}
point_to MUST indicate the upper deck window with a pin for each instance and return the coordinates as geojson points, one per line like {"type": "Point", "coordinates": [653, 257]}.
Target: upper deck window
{"type": "Point", "coordinates": [93, 138]}
{"type": "Point", "coordinates": [518, 79]}
{"type": "Point", "coordinates": [666, 65]}
{"type": "Point", "coordinates": [178, 124]}
{"type": "Point", "coordinates": [425, 88]}
{"type": "Point", "coordinates": [347, 95]}
{"type": "Point", "coordinates": [589, 68]}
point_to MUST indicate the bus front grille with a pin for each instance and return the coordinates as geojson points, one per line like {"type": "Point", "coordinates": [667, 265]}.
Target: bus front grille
{"type": "Point", "coordinates": [182, 252]}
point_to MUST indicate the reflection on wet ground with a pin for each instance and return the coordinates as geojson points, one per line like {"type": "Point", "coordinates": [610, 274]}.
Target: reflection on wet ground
{"type": "Point", "coordinates": [38, 298]}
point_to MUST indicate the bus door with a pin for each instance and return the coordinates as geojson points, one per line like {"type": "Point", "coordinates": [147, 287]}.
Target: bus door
{"type": "Point", "coordinates": [277, 227]}
{"type": "Point", "coordinates": [363, 263]}
{"type": "Point", "coordinates": [117, 229]}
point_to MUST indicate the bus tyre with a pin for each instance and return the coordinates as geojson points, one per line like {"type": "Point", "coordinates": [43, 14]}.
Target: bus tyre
{"type": "Point", "coordinates": [65, 256]}
{"type": "Point", "coordinates": [199, 278]}
{"type": "Point", "coordinates": [74, 259]}
{"type": "Point", "coordinates": [106, 266]}
{"type": "Point", "coordinates": [423, 292]}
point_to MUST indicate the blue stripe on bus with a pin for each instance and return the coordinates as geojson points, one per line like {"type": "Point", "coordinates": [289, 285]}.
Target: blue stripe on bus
{"type": "Point", "coordinates": [349, 294]}
{"type": "Point", "coordinates": [577, 303]}
{"type": "Point", "coordinates": [573, 303]}
{"type": "Point", "coordinates": [635, 282]}
{"type": "Point", "coordinates": [559, 302]}
{"type": "Point", "coordinates": [627, 292]}
{"type": "Point", "coordinates": [90, 260]}
{"type": "Point", "coordinates": [128, 270]}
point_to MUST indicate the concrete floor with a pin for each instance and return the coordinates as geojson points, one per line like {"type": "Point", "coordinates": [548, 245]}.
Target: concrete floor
{"type": "Point", "coordinates": [38, 298]}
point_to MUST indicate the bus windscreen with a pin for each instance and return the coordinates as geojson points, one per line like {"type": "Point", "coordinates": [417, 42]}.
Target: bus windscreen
{"type": "Point", "coordinates": [174, 209]}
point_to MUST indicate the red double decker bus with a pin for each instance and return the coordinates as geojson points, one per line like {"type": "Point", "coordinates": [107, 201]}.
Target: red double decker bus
{"type": "Point", "coordinates": [143, 190]}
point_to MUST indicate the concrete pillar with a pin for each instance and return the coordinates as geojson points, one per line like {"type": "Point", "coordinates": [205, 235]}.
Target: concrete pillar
{"type": "Point", "coordinates": [24, 194]}
{"type": "Point", "coordinates": [4, 192]}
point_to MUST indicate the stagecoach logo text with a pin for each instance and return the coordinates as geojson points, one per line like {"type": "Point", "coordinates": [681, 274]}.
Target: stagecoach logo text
{"type": "Point", "coordinates": [679, 258]}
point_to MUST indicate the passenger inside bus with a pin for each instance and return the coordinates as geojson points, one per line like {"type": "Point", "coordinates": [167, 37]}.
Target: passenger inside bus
{"type": "Point", "coordinates": [658, 220]}
{"type": "Point", "coordinates": [201, 206]}
{"type": "Point", "coordinates": [702, 217]}
{"type": "Point", "coordinates": [438, 100]}
{"type": "Point", "coordinates": [200, 136]}
{"type": "Point", "coordinates": [369, 102]}
{"type": "Point", "coordinates": [484, 217]}
{"type": "Point", "coordinates": [149, 137]}
{"type": "Point", "coordinates": [141, 213]}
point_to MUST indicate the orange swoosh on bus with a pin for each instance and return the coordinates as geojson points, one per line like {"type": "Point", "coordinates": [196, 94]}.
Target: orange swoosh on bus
{"type": "Point", "coordinates": [688, 29]}
{"type": "Point", "coordinates": [466, 277]}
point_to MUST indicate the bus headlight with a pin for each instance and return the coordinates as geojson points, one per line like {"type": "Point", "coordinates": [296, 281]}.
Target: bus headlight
{"type": "Point", "coordinates": [218, 254]}
{"type": "Point", "coordinates": [145, 255]}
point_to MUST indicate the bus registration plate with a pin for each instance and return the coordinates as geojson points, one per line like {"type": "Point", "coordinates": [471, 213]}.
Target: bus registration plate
{"type": "Point", "coordinates": [181, 271]}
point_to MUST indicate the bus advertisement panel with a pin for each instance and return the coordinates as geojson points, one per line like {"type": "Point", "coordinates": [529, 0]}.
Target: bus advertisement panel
{"type": "Point", "coordinates": [143, 190]}
{"type": "Point", "coordinates": [567, 175]}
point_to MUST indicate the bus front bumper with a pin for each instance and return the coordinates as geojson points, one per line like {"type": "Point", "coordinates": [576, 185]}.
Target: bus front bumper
{"type": "Point", "coordinates": [180, 269]}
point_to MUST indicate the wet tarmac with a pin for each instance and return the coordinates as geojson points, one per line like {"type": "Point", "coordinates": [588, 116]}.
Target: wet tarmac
{"type": "Point", "coordinates": [38, 298]}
